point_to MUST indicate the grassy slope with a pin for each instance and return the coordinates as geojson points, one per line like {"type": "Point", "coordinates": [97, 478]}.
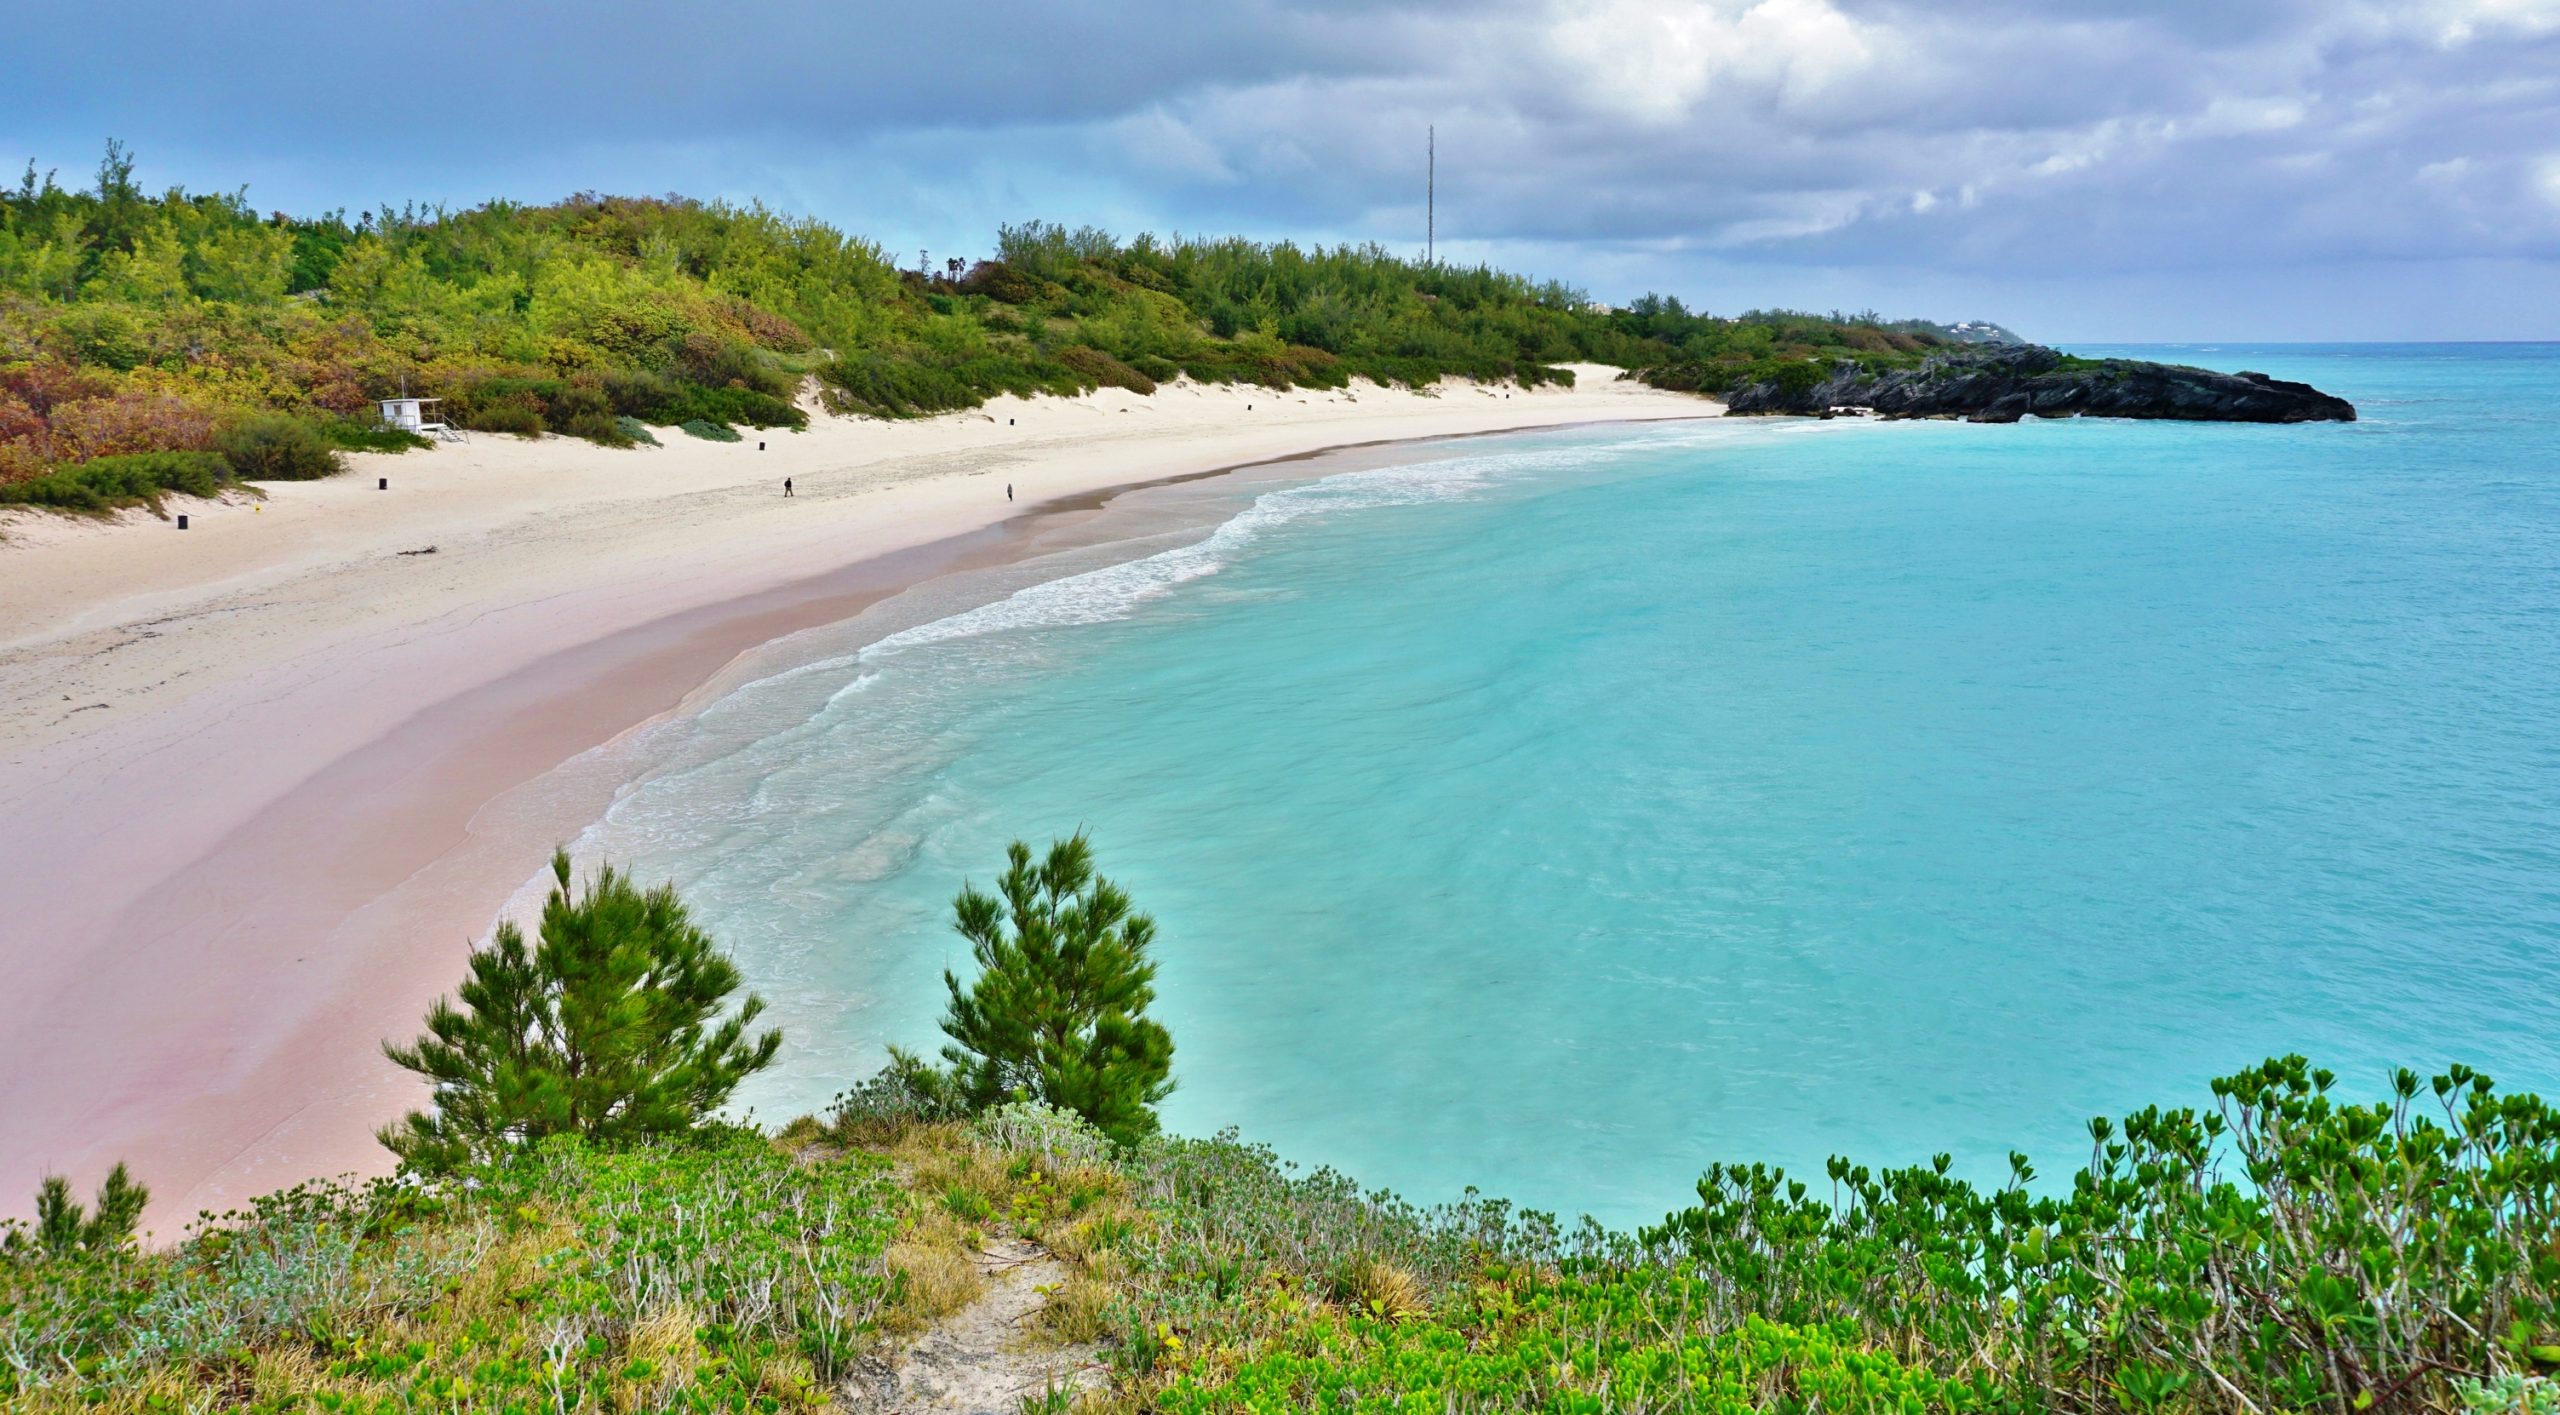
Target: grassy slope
{"type": "Point", "coordinates": [749, 1274]}
{"type": "Point", "coordinates": [2376, 1259]}
{"type": "Point", "coordinates": [132, 323]}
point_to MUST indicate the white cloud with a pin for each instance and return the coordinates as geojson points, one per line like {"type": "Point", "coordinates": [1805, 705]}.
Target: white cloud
{"type": "Point", "coordinates": [1813, 215]}
{"type": "Point", "coordinates": [2228, 115]}
{"type": "Point", "coordinates": [1656, 62]}
{"type": "Point", "coordinates": [2458, 22]}
{"type": "Point", "coordinates": [1157, 140]}
{"type": "Point", "coordinates": [1994, 140]}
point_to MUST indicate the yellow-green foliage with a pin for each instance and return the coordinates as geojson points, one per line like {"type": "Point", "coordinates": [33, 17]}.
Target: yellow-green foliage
{"type": "Point", "coordinates": [139, 323]}
{"type": "Point", "coordinates": [1526, 1342]}
{"type": "Point", "coordinates": [2383, 1257]}
{"type": "Point", "coordinates": [715, 1274]}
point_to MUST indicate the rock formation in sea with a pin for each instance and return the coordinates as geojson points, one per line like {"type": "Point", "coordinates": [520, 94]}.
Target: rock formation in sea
{"type": "Point", "coordinates": [2003, 384]}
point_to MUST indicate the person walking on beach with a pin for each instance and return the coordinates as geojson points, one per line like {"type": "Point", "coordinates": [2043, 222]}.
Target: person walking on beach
{"type": "Point", "coordinates": [786, 486]}
{"type": "Point", "coordinates": [1008, 491]}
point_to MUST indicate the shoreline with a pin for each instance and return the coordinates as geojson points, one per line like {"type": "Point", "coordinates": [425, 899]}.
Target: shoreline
{"type": "Point", "coordinates": [245, 885]}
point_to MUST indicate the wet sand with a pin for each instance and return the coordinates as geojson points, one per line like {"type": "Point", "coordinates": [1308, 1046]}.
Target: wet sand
{"type": "Point", "coordinates": [308, 787]}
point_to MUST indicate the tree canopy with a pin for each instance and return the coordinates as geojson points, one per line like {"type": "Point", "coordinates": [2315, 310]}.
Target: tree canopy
{"type": "Point", "coordinates": [610, 1026]}
{"type": "Point", "coordinates": [1057, 1012]}
{"type": "Point", "coordinates": [139, 323]}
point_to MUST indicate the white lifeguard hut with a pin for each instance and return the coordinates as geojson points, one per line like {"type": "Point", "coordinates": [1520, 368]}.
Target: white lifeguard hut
{"type": "Point", "coordinates": [417, 415]}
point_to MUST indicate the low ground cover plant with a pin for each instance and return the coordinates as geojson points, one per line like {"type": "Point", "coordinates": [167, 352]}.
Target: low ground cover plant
{"type": "Point", "coordinates": [2283, 1249]}
{"type": "Point", "coordinates": [710, 1273]}
{"type": "Point", "coordinates": [277, 447]}
{"type": "Point", "coordinates": [130, 479]}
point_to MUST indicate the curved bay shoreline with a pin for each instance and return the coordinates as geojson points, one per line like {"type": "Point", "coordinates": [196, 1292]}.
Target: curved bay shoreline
{"type": "Point", "coordinates": [319, 764]}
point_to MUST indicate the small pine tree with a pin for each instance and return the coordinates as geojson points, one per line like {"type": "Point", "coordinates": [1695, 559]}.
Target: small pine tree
{"type": "Point", "coordinates": [1057, 1012]}
{"type": "Point", "coordinates": [63, 1227]}
{"type": "Point", "coordinates": [609, 1027]}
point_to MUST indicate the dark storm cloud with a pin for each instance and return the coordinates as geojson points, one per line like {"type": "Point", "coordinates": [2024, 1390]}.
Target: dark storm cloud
{"type": "Point", "coordinates": [1869, 146]}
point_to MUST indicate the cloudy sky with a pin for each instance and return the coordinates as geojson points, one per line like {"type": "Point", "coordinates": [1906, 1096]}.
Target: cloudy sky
{"type": "Point", "coordinates": [2082, 169]}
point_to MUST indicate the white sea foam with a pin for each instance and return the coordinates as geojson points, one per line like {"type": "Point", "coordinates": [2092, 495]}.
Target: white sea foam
{"type": "Point", "coordinates": [1115, 591]}
{"type": "Point", "coordinates": [758, 729]}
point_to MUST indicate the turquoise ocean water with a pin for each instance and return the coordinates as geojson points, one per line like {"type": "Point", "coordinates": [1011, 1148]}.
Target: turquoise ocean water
{"type": "Point", "coordinates": [1558, 813]}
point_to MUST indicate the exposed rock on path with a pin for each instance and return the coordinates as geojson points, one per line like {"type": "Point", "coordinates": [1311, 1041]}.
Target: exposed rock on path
{"type": "Point", "coordinates": [984, 1359]}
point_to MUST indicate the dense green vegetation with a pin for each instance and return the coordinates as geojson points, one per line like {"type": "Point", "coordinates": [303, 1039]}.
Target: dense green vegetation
{"type": "Point", "coordinates": [710, 1274]}
{"type": "Point", "coordinates": [2283, 1249]}
{"type": "Point", "coordinates": [135, 323]}
{"type": "Point", "coordinates": [65, 1226]}
{"type": "Point", "coordinates": [125, 479]}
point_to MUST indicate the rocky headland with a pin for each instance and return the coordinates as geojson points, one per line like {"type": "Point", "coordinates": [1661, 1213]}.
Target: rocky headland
{"type": "Point", "coordinates": [2007, 383]}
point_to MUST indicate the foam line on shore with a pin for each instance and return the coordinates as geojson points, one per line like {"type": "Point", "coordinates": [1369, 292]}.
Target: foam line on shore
{"type": "Point", "coordinates": [265, 781]}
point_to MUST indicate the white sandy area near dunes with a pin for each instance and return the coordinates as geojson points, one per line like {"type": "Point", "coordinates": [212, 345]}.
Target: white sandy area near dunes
{"type": "Point", "coordinates": [91, 611]}
{"type": "Point", "coordinates": [247, 769]}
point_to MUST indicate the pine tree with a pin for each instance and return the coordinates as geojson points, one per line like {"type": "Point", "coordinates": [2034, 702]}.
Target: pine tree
{"type": "Point", "coordinates": [608, 1027]}
{"type": "Point", "coordinates": [62, 1227]}
{"type": "Point", "coordinates": [1057, 1012]}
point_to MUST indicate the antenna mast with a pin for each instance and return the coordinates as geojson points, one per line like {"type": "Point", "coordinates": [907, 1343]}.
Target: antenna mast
{"type": "Point", "coordinates": [1431, 197]}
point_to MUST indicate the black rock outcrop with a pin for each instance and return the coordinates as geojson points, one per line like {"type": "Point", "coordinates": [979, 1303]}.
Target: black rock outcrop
{"type": "Point", "coordinates": [2005, 384]}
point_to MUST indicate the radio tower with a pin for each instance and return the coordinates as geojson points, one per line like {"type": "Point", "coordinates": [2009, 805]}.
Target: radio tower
{"type": "Point", "coordinates": [1431, 197]}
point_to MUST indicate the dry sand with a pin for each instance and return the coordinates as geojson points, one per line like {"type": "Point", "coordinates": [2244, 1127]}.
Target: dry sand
{"type": "Point", "coordinates": [256, 776]}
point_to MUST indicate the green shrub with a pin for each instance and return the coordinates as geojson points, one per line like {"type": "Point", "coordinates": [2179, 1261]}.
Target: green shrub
{"type": "Point", "coordinates": [635, 433]}
{"type": "Point", "coordinates": [1058, 1010]}
{"type": "Point", "coordinates": [884, 385]}
{"type": "Point", "coordinates": [1104, 371]}
{"type": "Point", "coordinates": [711, 1275]}
{"type": "Point", "coordinates": [134, 479]}
{"type": "Point", "coordinates": [670, 401]}
{"type": "Point", "coordinates": [1565, 1344]}
{"type": "Point", "coordinates": [505, 404]}
{"type": "Point", "coordinates": [1226, 1223]}
{"type": "Point", "coordinates": [368, 435]}
{"type": "Point", "coordinates": [709, 431]}
{"type": "Point", "coordinates": [906, 1093]}
{"type": "Point", "coordinates": [63, 1227]}
{"type": "Point", "coordinates": [999, 281]}
{"type": "Point", "coordinates": [612, 1026]}
{"type": "Point", "coordinates": [2284, 1250]}
{"type": "Point", "coordinates": [517, 416]}
{"type": "Point", "coordinates": [575, 401]}
{"type": "Point", "coordinates": [1054, 1137]}
{"type": "Point", "coordinates": [277, 447]}
{"type": "Point", "coordinates": [105, 335]}
{"type": "Point", "coordinates": [734, 405]}
{"type": "Point", "coordinates": [603, 429]}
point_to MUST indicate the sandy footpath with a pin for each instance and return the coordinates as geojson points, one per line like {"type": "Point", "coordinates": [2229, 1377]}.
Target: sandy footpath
{"type": "Point", "coordinates": [255, 776]}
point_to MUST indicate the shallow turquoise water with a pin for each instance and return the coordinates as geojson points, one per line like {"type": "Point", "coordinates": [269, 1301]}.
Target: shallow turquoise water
{"type": "Point", "coordinates": [1563, 812]}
